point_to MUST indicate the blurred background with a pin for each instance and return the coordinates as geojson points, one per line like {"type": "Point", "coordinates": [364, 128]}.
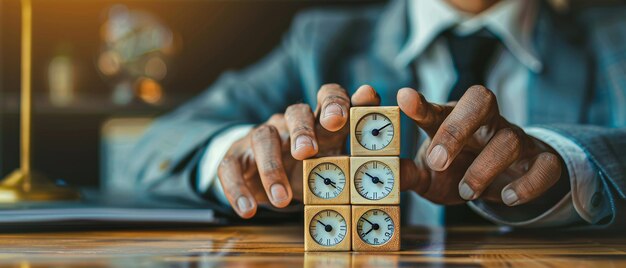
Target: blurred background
{"type": "Point", "coordinates": [102, 69]}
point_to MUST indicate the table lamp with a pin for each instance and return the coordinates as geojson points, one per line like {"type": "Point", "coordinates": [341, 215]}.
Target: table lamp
{"type": "Point", "coordinates": [23, 185]}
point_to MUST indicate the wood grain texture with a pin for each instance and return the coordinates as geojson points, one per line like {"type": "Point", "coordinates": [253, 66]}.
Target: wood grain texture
{"type": "Point", "coordinates": [343, 162]}
{"type": "Point", "coordinates": [282, 246]}
{"type": "Point", "coordinates": [391, 112]}
{"type": "Point", "coordinates": [310, 244]}
{"type": "Point", "coordinates": [392, 245]}
{"type": "Point", "coordinates": [394, 196]}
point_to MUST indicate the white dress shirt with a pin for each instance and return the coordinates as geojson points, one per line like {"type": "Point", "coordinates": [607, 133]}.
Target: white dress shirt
{"type": "Point", "coordinates": [512, 21]}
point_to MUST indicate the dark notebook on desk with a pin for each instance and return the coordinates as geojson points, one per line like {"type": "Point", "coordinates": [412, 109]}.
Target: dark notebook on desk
{"type": "Point", "coordinates": [94, 209]}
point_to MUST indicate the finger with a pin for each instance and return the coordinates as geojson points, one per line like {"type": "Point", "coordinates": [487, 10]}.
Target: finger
{"type": "Point", "coordinates": [503, 149]}
{"type": "Point", "coordinates": [476, 108]}
{"type": "Point", "coordinates": [232, 180]}
{"type": "Point", "coordinates": [545, 172]}
{"type": "Point", "coordinates": [412, 177]}
{"type": "Point", "coordinates": [333, 105]}
{"type": "Point", "coordinates": [426, 115]}
{"type": "Point", "coordinates": [301, 123]}
{"type": "Point", "coordinates": [365, 95]}
{"type": "Point", "coordinates": [268, 156]}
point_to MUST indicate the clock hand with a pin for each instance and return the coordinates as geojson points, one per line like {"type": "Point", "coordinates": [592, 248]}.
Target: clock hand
{"type": "Point", "coordinates": [368, 221]}
{"type": "Point", "coordinates": [327, 227]}
{"type": "Point", "coordinates": [371, 229]}
{"type": "Point", "coordinates": [376, 131]}
{"type": "Point", "coordinates": [384, 127]}
{"type": "Point", "coordinates": [374, 179]}
{"type": "Point", "coordinates": [319, 175]}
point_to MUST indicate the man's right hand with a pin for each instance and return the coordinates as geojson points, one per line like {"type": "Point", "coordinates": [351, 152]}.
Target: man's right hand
{"type": "Point", "coordinates": [265, 166]}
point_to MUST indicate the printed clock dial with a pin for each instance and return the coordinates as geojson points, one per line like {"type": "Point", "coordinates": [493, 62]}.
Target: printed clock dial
{"type": "Point", "coordinates": [328, 228]}
{"type": "Point", "coordinates": [374, 131]}
{"type": "Point", "coordinates": [374, 180]}
{"type": "Point", "coordinates": [375, 227]}
{"type": "Point", "coordinates": [327, 180]}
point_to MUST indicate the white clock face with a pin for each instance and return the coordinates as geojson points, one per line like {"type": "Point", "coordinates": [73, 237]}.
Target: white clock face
{"type": "Point", "coordinates": [327, 180]}
{"type": "Point", "coordinates": [374, 180]}
{"type": "Point", "coordinates": [328, 228]}
{"type": "Point", "coordinates": [375, 227]}
{"type": "Point", "coordinates": [374, 131]}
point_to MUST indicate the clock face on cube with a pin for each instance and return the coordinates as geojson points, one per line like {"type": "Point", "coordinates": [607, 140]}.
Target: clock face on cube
{"type": "Point", "coordinates": [375, 227]}
{"type": "Point", "coordinates": [374, 131]}
{"type": "Point", "coordinates": [327, 180]}
{"type": "Point", "coordinates": [374, 180]}
{"type": "Point", "coordinates": [328, 228]}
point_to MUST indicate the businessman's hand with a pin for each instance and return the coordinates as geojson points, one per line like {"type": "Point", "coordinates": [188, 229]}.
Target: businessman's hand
{"type": "Point", "coordinates": [265, 167]}
{"type": "Point", "coordinates": [473, 152]}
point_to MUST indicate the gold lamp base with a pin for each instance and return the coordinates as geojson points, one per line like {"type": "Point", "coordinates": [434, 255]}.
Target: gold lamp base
{"type": "Point", "coordinates": [13, 189]}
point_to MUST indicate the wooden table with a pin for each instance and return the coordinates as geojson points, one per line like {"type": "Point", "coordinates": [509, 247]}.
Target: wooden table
{"type": "Point", "coordinates": [282, 246]}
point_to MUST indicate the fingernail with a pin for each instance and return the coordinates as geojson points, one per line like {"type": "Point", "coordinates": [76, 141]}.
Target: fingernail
{"type": "Point", "coordinates": [333, 109]}
{"type": "Point", "coordinates": [466, 192]}
{"type": "Point", "coordinates": [437, 158]}
{"type": "Point", "coordinates": [302, 141]}
{"type": "Point", "coordinates": [244, 204]}
{"type": "Point", "coordinates": [509, 197]}
{"type": "Point", "coordinates": [279, 193]}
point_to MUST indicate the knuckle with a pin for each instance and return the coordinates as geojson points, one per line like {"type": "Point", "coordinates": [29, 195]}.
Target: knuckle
{"type": "Point", "coordinates": [453, 132]}
{"type": "Point", "coordinates": [264, 132]}
{"type": "Point", "coordinates": [331, 86]}
{"type": "Point", "coordinates": [276, 117]}
{"type": "Point", "coordinates": [270, 166]}
{"type": "Point", "coordinates": [295, 108]}
{"type": "Point", "coordinates": [302, 129]}
{"type": "Point", "coordinates": [482, 92]}
{"type": "Point", "coordinates": [512, 140]}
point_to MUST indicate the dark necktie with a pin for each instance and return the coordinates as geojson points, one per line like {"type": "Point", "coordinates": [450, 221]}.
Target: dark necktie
{"type": "Point", "coordinates": [470, 56]}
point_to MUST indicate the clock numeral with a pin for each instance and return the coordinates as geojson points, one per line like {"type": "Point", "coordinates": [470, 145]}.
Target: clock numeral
{"type": "Point", "coordinates": [376, 240]}
{"type": "Point", "coordinates": [387, 219]}
{"type": "Point", "coordinates": [373, 146]}
{"type": "Point", "coordinates": [375, 212]}
{"type": "Point", "coordinates": [387, 234]}
{"type": "Point", "coordinates": [390, 227]}
{"type": "Point", "coordinates": [375, 164]}
{"type": "Point", "coordinates": [375, 116]}
{"type": "Point", "coordinates": [388, 188]}
{"type": "Point", "coordinates": [375, 195]}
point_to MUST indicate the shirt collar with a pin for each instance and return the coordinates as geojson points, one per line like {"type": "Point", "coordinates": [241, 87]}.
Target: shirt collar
{"type": "Point", "coordinates": [510, 20]}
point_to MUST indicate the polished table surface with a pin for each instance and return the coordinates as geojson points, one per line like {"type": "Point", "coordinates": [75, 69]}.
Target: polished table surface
{"type": "Point", "coordinates": [282, 246]}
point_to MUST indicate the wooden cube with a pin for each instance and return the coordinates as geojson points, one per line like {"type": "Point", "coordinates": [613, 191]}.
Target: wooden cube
{"type": "Point", "coordinates": [327, 228]}
{"type": "Point", "coordinates": [376, 228]}
{"type": "Point", "coordinates": [326, 181]}
{"type": "Point", "coordinates": [375, 180]}
{"type": "Point", "coordinates": [375, 131]}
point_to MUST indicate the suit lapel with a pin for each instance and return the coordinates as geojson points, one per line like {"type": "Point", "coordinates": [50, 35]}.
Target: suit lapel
{"type": "Point", "coordinates": [559, 92]}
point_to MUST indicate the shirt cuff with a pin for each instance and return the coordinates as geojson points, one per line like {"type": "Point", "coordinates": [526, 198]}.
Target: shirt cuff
{"type": "Point", "coordinates": [208, 181]}
{"type": "Point", "coordinates": [585, 201]}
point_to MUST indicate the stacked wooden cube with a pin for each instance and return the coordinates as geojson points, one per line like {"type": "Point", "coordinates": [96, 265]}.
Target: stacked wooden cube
{"type": "Point", "coordinates": [353, 202]}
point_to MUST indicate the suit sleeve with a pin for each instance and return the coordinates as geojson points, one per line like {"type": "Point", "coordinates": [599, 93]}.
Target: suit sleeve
{"type": "Point", "coordinates": [605, 148]}
{"type": "Point", "coordinates": [164, 163]}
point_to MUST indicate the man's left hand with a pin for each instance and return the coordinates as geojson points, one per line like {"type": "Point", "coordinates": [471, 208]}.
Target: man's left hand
{"type": "Point", "coordinates": [471, 145]}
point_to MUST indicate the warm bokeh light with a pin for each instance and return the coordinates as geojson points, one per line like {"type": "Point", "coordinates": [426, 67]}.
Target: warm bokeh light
{"type": "Point", "coordinates": [149, 90]}
{"type": "Point", "coordinates": [136, 47]}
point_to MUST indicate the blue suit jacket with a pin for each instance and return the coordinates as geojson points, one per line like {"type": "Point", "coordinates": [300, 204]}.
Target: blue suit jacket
{"type": "Point", "coordinates": [580, 93]}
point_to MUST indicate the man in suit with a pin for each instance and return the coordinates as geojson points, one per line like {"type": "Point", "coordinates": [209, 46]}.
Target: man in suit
{"type": "Point", "coordinates": [509, 106]}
